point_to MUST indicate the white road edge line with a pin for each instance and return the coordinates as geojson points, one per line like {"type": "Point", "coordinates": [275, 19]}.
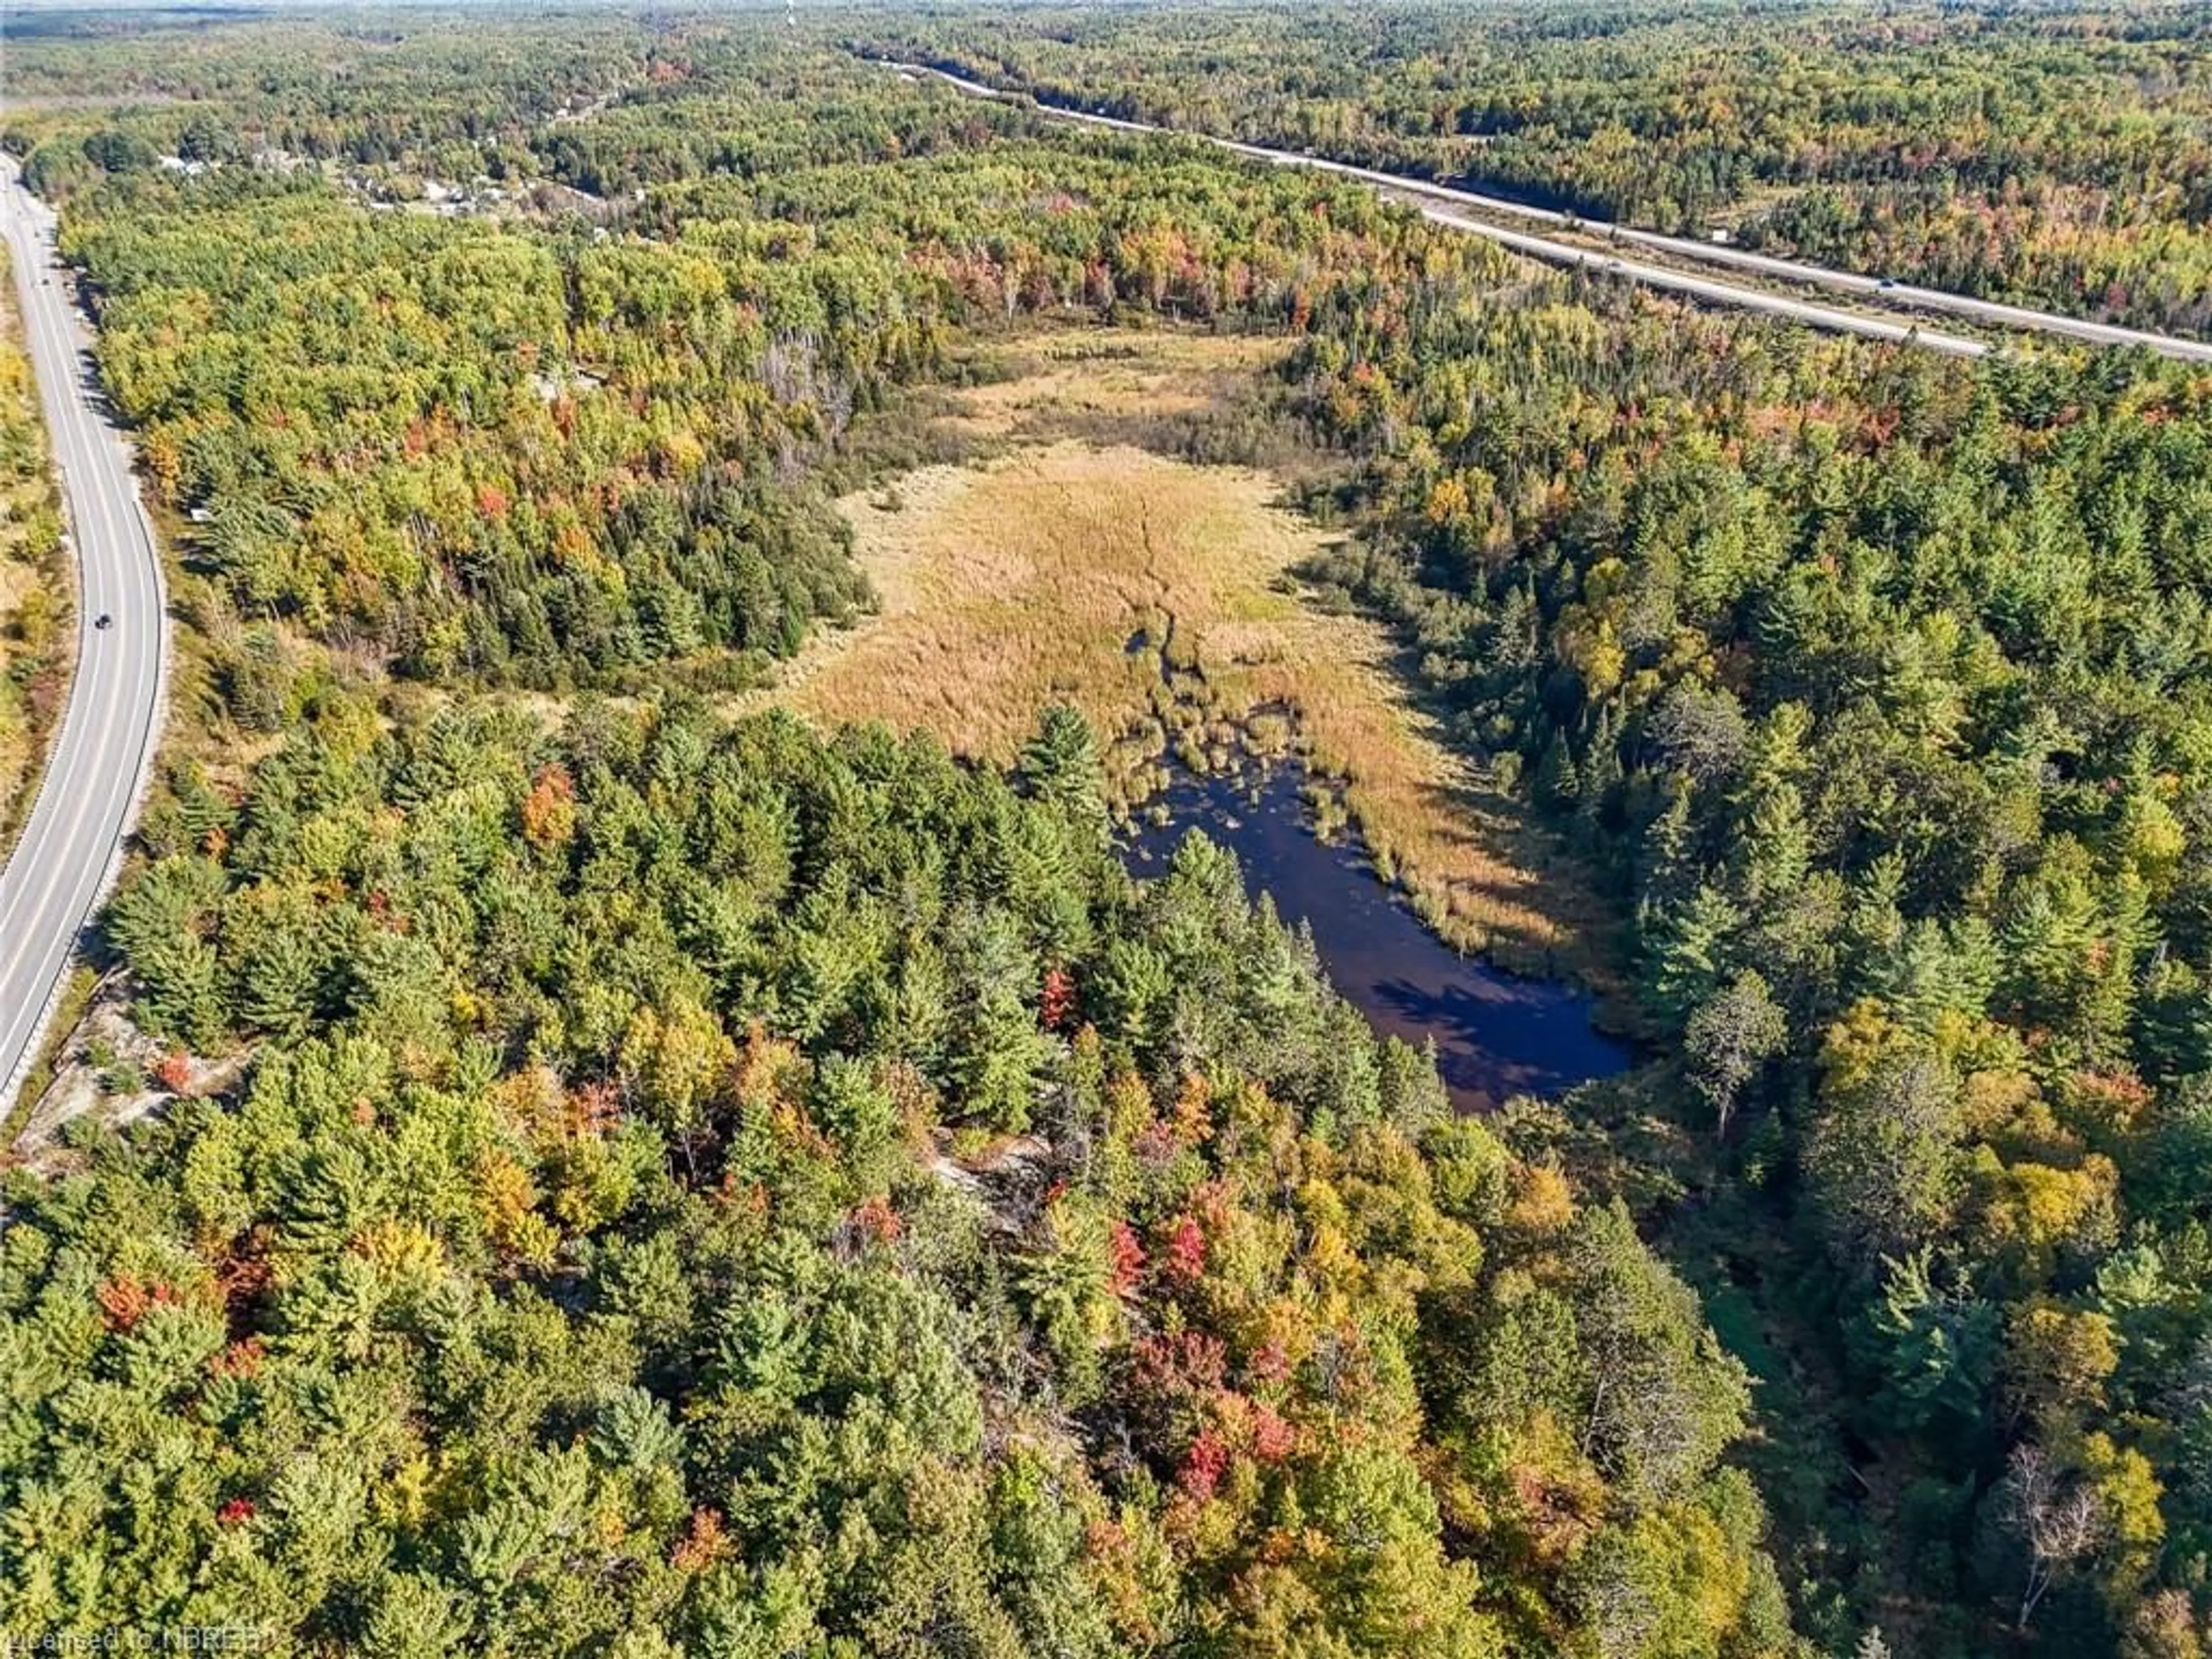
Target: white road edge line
{"type": "Point", "coordinates": [1992, 313]}
{"type": "Point", "coordinates": [103, 749]}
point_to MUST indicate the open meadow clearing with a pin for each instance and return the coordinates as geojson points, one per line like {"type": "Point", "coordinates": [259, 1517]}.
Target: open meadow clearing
{"type": "Point", "coordinates": [1163, 599]}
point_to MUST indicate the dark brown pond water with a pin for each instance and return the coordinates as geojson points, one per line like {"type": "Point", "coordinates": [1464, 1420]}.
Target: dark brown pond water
{"type": "Point", "coordinates": [1497, 1034]}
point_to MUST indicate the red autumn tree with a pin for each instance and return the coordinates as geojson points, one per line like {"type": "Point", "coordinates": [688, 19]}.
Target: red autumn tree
{"type": "Point", "coordinates": [1128, 1259]}
{"type": "Point", "coordinates": [1059, 1005]}
{"type": "Point", "coordinates": [1186, 1251]}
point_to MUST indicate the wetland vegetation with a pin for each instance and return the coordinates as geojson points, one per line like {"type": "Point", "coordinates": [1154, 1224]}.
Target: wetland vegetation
{"type": "Point", "coordinates": [1090, 553]}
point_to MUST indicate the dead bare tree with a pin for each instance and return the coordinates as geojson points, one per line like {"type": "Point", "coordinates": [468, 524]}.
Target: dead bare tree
{"type": "Point", "coordinates": [2057, 1517]}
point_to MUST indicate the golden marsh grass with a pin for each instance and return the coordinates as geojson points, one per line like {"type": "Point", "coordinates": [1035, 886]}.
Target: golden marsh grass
{"type": "Point", "coordinates": [1071, 569]}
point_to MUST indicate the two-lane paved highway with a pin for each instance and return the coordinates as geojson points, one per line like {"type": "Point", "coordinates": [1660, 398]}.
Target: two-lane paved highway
{"type": "Point", "coordinates": [1471, 211]}
{"type": "Point", "coordinates": [72, 841]}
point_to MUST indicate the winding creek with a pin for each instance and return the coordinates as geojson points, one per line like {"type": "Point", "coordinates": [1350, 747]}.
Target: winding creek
{"type": "Point", "coordinates": [1497, 1034]}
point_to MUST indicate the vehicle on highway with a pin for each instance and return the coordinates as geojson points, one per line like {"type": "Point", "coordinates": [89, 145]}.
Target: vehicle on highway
{"type": "Point", "coordinates": [65, 851]}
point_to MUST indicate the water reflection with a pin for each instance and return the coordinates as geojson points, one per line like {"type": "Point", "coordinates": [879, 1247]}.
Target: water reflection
{"type": "Point", "coordinates": [1497, 1034]}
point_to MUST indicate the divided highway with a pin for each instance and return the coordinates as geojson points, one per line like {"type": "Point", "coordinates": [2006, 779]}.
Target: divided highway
{"type": "Point", "coordinates": [1456, 209]}
{"type": "Point", "coordinates": [72, 842]}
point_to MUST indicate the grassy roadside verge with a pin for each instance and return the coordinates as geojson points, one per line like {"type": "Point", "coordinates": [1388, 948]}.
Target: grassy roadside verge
{"type": "Point", "coordinates": [35, 602]}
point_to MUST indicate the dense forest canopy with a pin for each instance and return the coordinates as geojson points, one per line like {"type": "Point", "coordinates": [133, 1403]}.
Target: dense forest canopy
{"type": "Point", "coordinates": [668, 1183]}
{"type": "Point", "coordinates": [1883, 690]}
{"type": "Point", "coordinates": [610, 1252]}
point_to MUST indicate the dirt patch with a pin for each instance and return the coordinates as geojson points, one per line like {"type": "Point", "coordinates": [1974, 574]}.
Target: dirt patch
{"type": "Point", "coordinates": [107, 1070]}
